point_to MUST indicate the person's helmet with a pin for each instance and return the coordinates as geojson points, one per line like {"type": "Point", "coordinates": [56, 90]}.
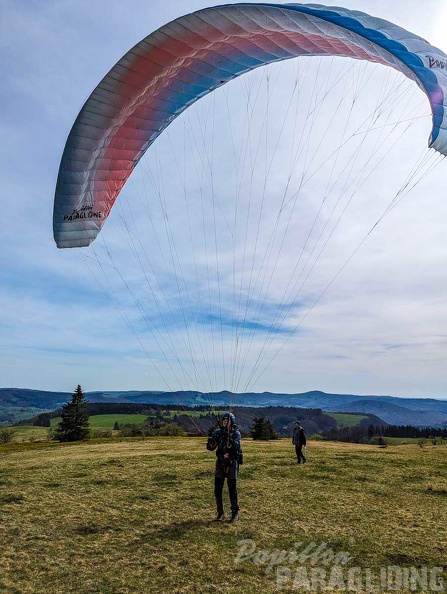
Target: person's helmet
{"type": "Point", "coordinates": [297, 423]}
{"type": "Point", "coordinates": [230, 416]}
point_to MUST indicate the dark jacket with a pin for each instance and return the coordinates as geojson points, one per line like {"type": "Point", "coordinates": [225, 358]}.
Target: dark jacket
{"type": "Point", "coordinates": [298, 436]}
{"type": "Point", "coordinates": [228, 448]}
{"type": "Point", "coordinates": [227, 443]}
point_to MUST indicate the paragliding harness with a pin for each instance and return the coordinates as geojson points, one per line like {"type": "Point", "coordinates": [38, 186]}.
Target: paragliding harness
{"type": "Point", "coordinates": [225, 447]}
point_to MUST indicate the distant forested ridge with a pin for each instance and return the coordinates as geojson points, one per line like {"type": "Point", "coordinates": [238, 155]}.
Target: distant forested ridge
{"type": "Point", "coordinates": [417, 412]}
{"type": "Point", "coordinates": [198, 419]}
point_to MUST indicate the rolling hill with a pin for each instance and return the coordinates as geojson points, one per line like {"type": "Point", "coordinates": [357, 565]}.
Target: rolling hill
{"type": "Point", "coordinates": [421, 412]}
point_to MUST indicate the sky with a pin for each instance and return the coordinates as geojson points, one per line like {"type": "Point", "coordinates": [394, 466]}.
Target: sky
{"type": "Point", "coordinates": [372, 315]}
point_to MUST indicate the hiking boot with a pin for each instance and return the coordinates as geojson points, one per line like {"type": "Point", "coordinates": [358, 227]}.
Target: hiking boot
{"type": "Point", "coordinates": [234, 517]}
{"type": "Point", "coordinates": [220, 518]}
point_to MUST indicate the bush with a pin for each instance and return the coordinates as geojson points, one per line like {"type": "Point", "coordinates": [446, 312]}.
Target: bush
{"type": "Point", "coordinates": [148, 430]}
{"type": "Point", "coordinates": [100, 433]}
{"type": "Point", "coordinates": [437, 440]}
{"type": "Point", "coordinates": [378, 440]}
{"type": "Point", "coordinates": [133, 431]}
{"type": "Point", "coordinates": [6, 435]}
{"type": "Point", "coordinates": [172, 429]}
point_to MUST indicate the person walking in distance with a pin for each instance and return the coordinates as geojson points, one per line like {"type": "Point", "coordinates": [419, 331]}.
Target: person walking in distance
{"type": "Point", "coordinates": [299, 441]}
{"type": "Point", "coordinates": [226, 440]}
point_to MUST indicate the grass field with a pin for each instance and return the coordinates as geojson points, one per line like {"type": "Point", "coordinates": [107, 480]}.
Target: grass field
{"type": "Point", "coordinates": [134, 517]}
{"type": "Point", "coordinates": [29, 433]}
{"type": "Point", "coordinates": [102, 422]}
{"type": "Point", "coordinates": [108, 421]}
{"type": "Point", "coordinates": [346, 419]}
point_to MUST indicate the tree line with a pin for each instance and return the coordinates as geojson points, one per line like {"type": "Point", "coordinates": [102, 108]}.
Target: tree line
{"type": "Point", "coordinates": [366, 434]}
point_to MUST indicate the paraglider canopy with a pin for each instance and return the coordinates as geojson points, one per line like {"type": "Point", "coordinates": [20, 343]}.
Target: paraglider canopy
{"type": "Point", "coordinates": [195, 54]}
{"type": "Point", "coordinates": [245, 210]}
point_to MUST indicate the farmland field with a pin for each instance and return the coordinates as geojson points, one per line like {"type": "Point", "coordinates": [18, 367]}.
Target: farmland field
{"type": "Point", "coordinates": [108, 421]}
{"type": "Point", "coordinates": [29, 433]}
{"type": "Point", "coordinates": [134, 516]}
{"type": "Point", "coordinates": [347, 419]}
{"type": "Point", "coordinates": [101, 422]}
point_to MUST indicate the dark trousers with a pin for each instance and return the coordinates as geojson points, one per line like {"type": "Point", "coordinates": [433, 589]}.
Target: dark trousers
{"type": "Point", "coordinates": [232, 490]}
{"type": "Point", "coordinates": [299, 453]}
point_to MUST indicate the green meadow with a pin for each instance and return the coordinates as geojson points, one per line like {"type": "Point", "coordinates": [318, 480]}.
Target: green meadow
{"type": "Point", "coordinates": [134, 516]}
{"type": "Point", "coordinates": [23, 433]}
{"type": "Point", "coordinates": [347, 419]}
{"type": "Point", "coordinates": [108, 421]}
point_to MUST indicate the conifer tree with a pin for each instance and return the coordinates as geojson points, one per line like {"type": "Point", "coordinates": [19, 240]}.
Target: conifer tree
{"type": "Point", "coordinates": [263, 429]}
{"type": "Point", "coordinates": [74, 425]}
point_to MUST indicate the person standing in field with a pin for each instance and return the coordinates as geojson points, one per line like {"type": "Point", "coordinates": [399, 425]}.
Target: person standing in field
{"type": "Point", "coordinates": [226, 440]}
{"type": "Point", "coordinates": [299, 441]}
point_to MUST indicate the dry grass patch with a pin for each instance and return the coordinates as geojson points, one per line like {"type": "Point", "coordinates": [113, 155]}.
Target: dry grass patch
{"type": "Point", "coordinates": [135, 516]}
